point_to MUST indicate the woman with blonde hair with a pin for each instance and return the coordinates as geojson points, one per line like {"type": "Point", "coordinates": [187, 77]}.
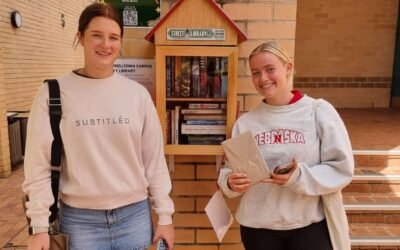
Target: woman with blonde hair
{"type": "Point", "coordinates": [308, 142]}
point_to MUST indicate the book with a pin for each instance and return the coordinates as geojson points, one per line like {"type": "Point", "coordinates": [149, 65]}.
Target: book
{"type": "Point", "coordinates": [203, 111]}
{"type": "Point", "coordinates": [186, 72]}
{"type": "Point", "coordinates": [224, 76]}
{"type": "Point", "coordinates": [172, 69]}
{"type": "Point", "coordinates": [206, 137]}
{"type": "Point", "coordinates": [195, 77]}
{"type": "Point", "coordinates": [206, 122]}
{"type": "Point", "coordinates": [203, 129]}
{"type": "Point", "coordinates": [203, 105]}
{"type": "Point", "coordinates": [214, 77]}
{"type": "Point", "coordinates": [178, 83]}
{"type": "Point", "coordinates": [168, 127]}
{"type": "Point", "coordinates": [203, 77]}
{"type": "Point", "coordinates": [172, 127]}
{"type": "Point", "coordinates": [204, 117]}
{"type": "Point", "coordinates": [204, 142]}
{"type": "Point", "coordinates": [177, 123]}
{"type": "Point", "coordinates": [168, 77]}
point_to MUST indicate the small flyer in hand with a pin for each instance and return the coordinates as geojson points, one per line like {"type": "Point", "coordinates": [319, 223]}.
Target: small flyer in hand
{"type": "Point", "coordinates": [244, 156]}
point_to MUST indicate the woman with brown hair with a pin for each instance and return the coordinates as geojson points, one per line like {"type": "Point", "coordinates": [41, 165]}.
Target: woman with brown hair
{"type": "Point", "coordinates": [114, 160]}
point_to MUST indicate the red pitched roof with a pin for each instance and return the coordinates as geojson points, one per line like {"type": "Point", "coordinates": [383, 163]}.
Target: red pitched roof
{"type": "Point", "coordinates": [241, 36]}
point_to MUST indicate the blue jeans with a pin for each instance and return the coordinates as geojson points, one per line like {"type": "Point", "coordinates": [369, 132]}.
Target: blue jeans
{"type": "Point", "coordinates": [124, 228]}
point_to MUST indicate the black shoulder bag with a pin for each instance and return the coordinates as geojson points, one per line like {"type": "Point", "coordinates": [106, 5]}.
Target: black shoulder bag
{"type": "Point", "coordinates": [58, 241]}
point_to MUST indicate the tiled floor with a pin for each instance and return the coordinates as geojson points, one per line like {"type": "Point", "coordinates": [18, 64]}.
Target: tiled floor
{"type": "Point", "coordinates": [377, 129]}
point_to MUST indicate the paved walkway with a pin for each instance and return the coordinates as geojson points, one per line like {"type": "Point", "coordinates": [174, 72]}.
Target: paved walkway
{"type": "Point", "coordinates": [13, 225]}
{"type": "Point", "coordinates": [377, 129]}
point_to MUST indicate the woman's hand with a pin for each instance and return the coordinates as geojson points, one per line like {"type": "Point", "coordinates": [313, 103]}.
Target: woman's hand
{"type": "Point", "coordinates": [165, 232]}
{"type": "Point", "coordinates": [238, 182]}
{"type": "Point", "coordinates": [280, 179]}
{"type": "Point", "coordinates": [40, 241]}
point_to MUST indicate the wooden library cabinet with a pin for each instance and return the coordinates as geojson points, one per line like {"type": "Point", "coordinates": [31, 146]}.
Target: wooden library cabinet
{"type": "Point", "coordinates": [214, 107]}
{"type": "Point", "coordinates": [196, 58]}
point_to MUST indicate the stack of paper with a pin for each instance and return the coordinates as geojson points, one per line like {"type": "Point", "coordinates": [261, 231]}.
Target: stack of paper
{"type": "Point", "coordinates": [244, 156]}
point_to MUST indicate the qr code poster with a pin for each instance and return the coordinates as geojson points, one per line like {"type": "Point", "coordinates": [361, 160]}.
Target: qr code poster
{"type": "Point", "coordinates": [130, 16]}
{"type": "Point", "coordinates": [137, 13]}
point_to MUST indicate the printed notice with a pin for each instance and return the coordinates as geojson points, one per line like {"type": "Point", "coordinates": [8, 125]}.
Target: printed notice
{"type": "Point", "coordinates": [219, 215]}
{"type": "Point", "coordinates": [140, 70]}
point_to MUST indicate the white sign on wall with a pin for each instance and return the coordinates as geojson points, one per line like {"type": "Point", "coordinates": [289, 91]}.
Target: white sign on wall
{"type": "Point", "coordinates": [140, 70]}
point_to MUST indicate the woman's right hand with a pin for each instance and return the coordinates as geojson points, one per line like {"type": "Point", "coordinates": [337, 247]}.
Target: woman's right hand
{"type": "Point", "coordinates": [238, 182]}
{"type": "Point", "coordinates": [40, 241]}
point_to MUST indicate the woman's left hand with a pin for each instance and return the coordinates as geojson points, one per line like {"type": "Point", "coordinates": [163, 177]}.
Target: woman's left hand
{"type": "Point", "coordinates": [165, 232]}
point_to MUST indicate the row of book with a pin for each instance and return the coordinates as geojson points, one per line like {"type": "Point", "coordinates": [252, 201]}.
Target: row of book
{"type": "Point", "coordinates": [196, 124]}
{"type": "Point", "coordinates": [196, 76]}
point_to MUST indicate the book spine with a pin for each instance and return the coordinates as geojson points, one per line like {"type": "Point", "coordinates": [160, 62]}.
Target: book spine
{"type": "Point", "coordinates": [203, 111]}
{"type": "Point", "coordinates": [204, 117]}
{"type": "Point", "coordinates": [177, 123]}
{"type": "Point", "coordinates": [204, 142]}
{"type": "Point", "coordinates": [168, 75]}
{"type": "Point", "coordinates": [206, 137]}
{"type": "Point", "coordinates": [203, 77]}
{"type": "Point", "coordinates": [168, 127]}
{"type": "Point", "coordinates": [172, 70]}
{"type": "Point", "coordinates": [178, 83]}
{"type": "Point", "coordinates": [172, 126]}
{"type": "Point", "coordinates": [186, 71]}
{"type": "Point", "coordinates": [195, 77]}
{"type": "Point", "coordinates": [203, 105]}
{"type": "Point", "coordinates": [224, 76]}
{"type": "Point", "coordinates": [216, 78]}
{"type": "Point", "coordinates": [206, 122]}
{"type": "Point", "coordinates": [203, 129]}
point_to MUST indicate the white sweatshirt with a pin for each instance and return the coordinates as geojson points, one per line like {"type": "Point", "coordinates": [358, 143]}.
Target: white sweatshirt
{"type": "Point", "coordinates": [326, 163]}
{"type": "Point", "coordinates": [113, 148]}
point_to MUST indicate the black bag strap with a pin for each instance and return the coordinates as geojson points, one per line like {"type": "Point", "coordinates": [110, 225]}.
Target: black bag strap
{"type": "Point", "coordinates": [55, 112]}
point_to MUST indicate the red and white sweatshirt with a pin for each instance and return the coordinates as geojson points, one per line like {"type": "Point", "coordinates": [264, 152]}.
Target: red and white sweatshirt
{"type": "Point", "coordinates": [309, 131]}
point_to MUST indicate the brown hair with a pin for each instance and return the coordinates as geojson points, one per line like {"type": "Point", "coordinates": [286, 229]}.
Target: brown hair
{"type": "Point", "coordinates": [98, 10]}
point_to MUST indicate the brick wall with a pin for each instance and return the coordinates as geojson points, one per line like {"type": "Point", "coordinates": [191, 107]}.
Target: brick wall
{"type": "Point", "coordinates": [40, 49]}
{"type": "Point", "coordinates": [345, 49]}
{"type": "Point", "coordinates": [194, 181]}
{"type": "Point", "coordinates": [5, 169]}
{"type": "Point", "coordinates": [260, 21]}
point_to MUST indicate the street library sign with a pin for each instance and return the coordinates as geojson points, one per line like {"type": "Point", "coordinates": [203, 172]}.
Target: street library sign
{"type": "Point", "coordinates": [188, 34]}
{"type": "Point", "coordinates": [137, 13]}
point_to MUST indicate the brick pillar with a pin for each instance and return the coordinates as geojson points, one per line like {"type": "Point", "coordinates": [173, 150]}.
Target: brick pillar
{"type": "Point", "coordinates": [5, 167]}
{"type": "Point", "coordinates": [194, 181]}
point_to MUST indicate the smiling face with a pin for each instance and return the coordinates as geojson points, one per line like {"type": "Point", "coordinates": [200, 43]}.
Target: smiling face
{"type": "Point", "coordinates": [101, 43]}
{"type": "Point", "coordinates": [270, 77]}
